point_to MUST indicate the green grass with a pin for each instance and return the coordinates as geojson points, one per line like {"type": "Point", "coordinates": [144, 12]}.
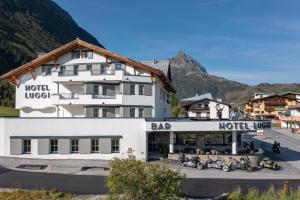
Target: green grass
{"type": "Point", "coordinates": [8, 112]}
{"type": "Point", "coordinates": [34, 195]}
{"type": "Point", "coordinates": [276, 125]}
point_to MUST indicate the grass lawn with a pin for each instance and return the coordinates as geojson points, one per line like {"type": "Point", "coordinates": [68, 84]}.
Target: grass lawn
{"type": "Point", "coordinates": [8, 112]}
{"type": "Point", "coordinates": [34, 195]}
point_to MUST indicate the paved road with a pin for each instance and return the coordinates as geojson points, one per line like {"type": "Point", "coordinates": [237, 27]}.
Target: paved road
{"type": "Point", "coordinates": [290, 146]}
{"type": "Point", "coordinates": [96, 184]}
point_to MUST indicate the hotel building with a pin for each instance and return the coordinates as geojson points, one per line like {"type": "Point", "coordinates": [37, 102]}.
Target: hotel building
{"type": "Point", "coordinates": [81, 101]}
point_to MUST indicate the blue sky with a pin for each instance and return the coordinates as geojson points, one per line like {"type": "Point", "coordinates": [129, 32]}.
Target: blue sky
{"type": "Point", "coordinates": [250, 41]}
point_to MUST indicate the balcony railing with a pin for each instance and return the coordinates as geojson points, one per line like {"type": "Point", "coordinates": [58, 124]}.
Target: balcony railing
{"type": "Point", "coordinates": [68, 96]}
{"type": "Point", "coordinates": [68, 73]}
{"type": "Point", "coordinates": [275, 103]}
{"type": "Point", "coordinates": [101, 96]}
{"type": "Point", "coordinates": [104, 72]}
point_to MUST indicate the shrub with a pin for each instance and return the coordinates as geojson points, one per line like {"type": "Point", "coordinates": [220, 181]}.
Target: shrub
{"type": "Point", "coordinates": [236, 194]}
{"type": "Point", "coordinates": [34, 195]}
{"type": "Point", "coordinates": [253, 194]}
{"type": "Point", "coordinates": [137, 180]}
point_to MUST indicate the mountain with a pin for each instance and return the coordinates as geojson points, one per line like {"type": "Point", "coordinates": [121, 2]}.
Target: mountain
{"type": "Point", "coordinates": [28, 27]}
{"type": "Point", "coordinates": [189, 77]}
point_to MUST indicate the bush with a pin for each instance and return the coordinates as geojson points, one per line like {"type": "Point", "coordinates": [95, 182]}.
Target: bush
{"type": "Point", "coordinates": [34, 195]}
{"type": "Point", "coordinates": [137, 180]}
{"type": "Point", "coordinates": [236, 194]}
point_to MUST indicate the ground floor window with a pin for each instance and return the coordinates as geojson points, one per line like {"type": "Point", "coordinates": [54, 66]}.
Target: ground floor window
{"type": "Point", "coordinates": [95, 146]}
{"type": "Point", "coordinates": [26, 146]}
{"type": "Point", "coordinates": [115, 145]}
{"type": "Point", "coordinates": [74, 146]}
{"type": "Point", "coordinates": [53, 146]}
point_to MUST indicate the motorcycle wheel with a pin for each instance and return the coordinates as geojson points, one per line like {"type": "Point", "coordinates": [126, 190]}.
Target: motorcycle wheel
{"type": "Point", "coordinates": [199, 166]}
{"type": "Point", "coordinates": [226, 168]}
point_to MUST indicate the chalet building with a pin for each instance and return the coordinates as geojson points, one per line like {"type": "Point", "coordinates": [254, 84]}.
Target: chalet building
{"type": "Point", "coordinates": [291, 120]}
{"type": "Point", "coordinates": [270, 106]}
{"type": "Point", "coordinates": [81, 101]}
{"type": "Point", "coordinates": [204, 106]}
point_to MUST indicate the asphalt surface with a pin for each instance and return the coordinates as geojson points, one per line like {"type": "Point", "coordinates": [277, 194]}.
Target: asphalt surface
{"type": "Point", "coordinates": [85, 185]}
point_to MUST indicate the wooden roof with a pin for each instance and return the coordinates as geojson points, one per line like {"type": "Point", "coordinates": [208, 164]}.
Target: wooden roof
{"type": "Point", "coordinates": [14, 74]}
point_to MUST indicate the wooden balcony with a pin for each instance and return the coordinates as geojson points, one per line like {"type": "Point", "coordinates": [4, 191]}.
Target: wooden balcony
{"type": "Point", "coordinates": [275, 103]}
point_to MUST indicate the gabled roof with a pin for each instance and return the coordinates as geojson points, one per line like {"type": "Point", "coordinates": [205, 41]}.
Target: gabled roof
{"type": "Point", "coordinates": [198, 97]}
{"type": "Point", "coordinates": [75, 44]}
{"type": "Point", "coordinates": [189, 103]}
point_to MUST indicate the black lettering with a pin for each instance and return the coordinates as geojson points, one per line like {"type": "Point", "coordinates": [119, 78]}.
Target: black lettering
{"type": "Point", "coordinates": [168, 126]}
{"type": "Point", "coordinates": [153, 126]}
{"type": "Point", "coordinates": [221, 126]}
{"type": "Point", "coordinates": [236, 125]}
{"type": "Point", "coordinates": [44, 95]}
{"type": "Point", "coordinates": [33, 88]}
{"type": "Point", "coordinates": [229, 126]}
{"type": "Point", "coordinates": [161, 126]}
{"type": "Point", "coordinates": [242, 126]}
{"type": "Point", "coordinates": [27, 87]}
{"type": "Point", "coordinates": [246, 126]}
{"type": "Point", "coordinates": [47, 88]}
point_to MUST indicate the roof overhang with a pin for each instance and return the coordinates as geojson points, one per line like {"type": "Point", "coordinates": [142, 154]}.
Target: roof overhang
{"type": "Point", "coordinates": [14, 74]}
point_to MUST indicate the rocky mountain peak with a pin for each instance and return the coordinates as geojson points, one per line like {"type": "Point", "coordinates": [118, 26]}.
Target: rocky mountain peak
{"type": "Point", "coordinates": [186, 61]}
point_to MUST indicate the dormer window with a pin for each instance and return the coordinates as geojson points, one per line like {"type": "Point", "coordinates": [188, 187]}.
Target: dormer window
{"type": "Point", "coordinates": [87, 54]}
{"type": "Point", "coordinates": [118, 66]}
{"type": "Point", "coordinates": [75, 54]}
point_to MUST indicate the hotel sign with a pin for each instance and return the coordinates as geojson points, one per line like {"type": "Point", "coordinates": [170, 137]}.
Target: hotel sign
{"type": "Point", "coordinates": [37, 92]}
{"type": "Point", "coordinates": [243, 125]}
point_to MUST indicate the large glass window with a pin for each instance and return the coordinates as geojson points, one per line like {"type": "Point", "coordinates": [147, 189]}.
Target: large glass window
{"type": "Point", "coordinates": [48, 70]}
{"type": "Point", "coordinates": [141, 112]}
{"type": "Point", "coordinates": [27, 146]}
{"type": "Point", "coordinates": [54, 146]}
{"type": "Point", "coordinates": [74, 146]}
{"type": "Point", "coordinates": [75, 54]}
{"type": "Point", "coordinates": [95, 146]}
{"type": "Point", "coordinates": [115, 145]}
{"type": "Point", "coordinates": [104, 112]}
{"type": "Point", "coordinates": [141, 89]}
{"type": "Point", "coordinates": [118, 66]}
{"type": "Point", "coordinates": [214, 139]}
{"type": "Point", "coordinates": [76, 69]}
{"type": "Point", "coordinates": [96, 112]}
{"type": "Point", "coordinates": [132, 89]}
{"type": "Point", "coordinates": [132, 112]}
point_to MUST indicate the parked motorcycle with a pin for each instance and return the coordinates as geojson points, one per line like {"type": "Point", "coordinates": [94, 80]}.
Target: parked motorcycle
{"type": "Point", "coordinates": [243, 164]}
{"type": "Point", "coordinates": [194, 162]}
{"type": "Point", "coordinates": [218, 164]}
{"type": "Point", "coordinates": [268, 163]}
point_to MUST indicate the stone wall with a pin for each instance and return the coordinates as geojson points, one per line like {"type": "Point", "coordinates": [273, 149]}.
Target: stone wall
{"type": "Point", "coordinates": [254, 159]}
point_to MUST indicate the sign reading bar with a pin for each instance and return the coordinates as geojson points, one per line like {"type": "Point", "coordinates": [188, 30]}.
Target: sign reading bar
{"type": "Point", "coordinates": [160, 126]}
{"type": "Point", "coordinates": [37, 92]}
{"type": "Point", "coordinates": [243, 125]}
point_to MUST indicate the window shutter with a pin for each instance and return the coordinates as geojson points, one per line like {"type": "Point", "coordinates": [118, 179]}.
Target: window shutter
{"type": "Point", "coordinates": [85, 145]}
{"type": "Point", "coordinates": [16, 146]}
{"type": "Point", "coordinates": [43, 146]}
{"type": "Point", "coordinates": [105, 145]}
{"type": "Point", "coordinates": [148, 112]}
{"type": "Point", "coordinates": [126, 88]}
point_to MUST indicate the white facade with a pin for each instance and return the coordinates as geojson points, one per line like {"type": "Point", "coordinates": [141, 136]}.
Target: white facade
{"type": "Point", "coordinates": [80, 85]}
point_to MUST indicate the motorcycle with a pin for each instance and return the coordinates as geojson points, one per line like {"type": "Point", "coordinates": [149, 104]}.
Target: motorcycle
{"type": "Point", "coordinates": [218, 164]}
{"type": "Point", "coordinates": [243, 164]}
{"type": "Point", "coordinates": [194, 162]}
{"type": "Point", "coordinates": [276, 147]}
{"type": "Point", "coordinates": [268, 163]}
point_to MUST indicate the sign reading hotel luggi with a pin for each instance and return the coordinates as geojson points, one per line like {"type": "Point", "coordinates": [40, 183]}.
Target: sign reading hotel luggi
{"type": "Point", "coordinates": [37, 92]}
{"type": "Point", "coordinates": [243, 125]}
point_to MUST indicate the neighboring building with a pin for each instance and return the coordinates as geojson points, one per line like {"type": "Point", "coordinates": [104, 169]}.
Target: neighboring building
{"type": "Point", "coordinates": [81, 101]}
{"type": "Point", "coordinates": [291, 120]}
{"type": "Point", "coordinates": [269, 107]}
{"type": "Point", "coordinates": [294, 95]}
{"type": "Point", "coordinates": [204, 106]}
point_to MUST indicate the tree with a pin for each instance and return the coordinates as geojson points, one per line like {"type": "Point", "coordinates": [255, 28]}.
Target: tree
{"type": "Point", "coordinates": [137, 180]}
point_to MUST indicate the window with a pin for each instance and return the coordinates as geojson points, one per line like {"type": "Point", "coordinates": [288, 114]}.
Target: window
{"type": "Point", "coordinates": [48, 70]}
{"type": "Point", "coordinates": [118, 66]}
{"type": "Point", "coordinates": [53, 146]}
{"type": "Point", "coordinates": [132, 89]}
{"type": "Point", "coordinates": [115, 145]}
{"type": "Point", "coordinates": [141, 89]}
{"type": "Point", "coordinates": [75, 54]}
{"type": "Point", "coordinates": [132, 112]}
{"type": "Point", "coordinates": [75, 68]}
{"type": "Point", "coordinates": [95, 146]}
{"type": "Point", "coordinates": [95, 112]}
{"type": "Point", "coordinates": [141, 112]}
{"type": "Point", "coordinates": [104, 69]}
{"type": "Point", "coordinates": [62, 70]}
{"type": "Point", "coordinates": [96, 89]}
{"type": "Point", "coordinates": [74, 146]}
{"type": "Point", "coordinates": [104, 112]}
{"type": "Point", "coordinates": [27, 146]}
{"type": "Point", "coordinates": [84, 54]}
{"type": "Point", "coordinates": [88, 67]}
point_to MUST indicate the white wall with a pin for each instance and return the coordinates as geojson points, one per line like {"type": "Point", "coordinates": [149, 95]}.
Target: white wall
{"type": "Point", "coordinates": [133, 132]}
{"type": "Point", "coordinates": [162, 108]}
